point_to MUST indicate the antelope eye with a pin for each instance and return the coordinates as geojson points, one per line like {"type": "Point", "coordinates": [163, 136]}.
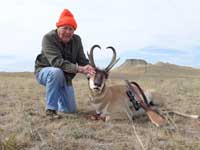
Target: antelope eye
{"type": "Point", "coordinates": [88, 76]}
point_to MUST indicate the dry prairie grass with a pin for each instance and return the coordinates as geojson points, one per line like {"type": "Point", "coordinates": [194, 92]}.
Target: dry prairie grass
{"type": "Point", "coordinates": [23, 125]}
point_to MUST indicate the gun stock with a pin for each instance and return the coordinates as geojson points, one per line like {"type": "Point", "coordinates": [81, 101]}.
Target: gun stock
{"type": "Point", "coordinates": [154, 117]}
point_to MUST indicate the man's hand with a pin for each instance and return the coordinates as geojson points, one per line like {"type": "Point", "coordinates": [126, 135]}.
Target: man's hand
{"type": "Point", "coordinates": [87, 69]}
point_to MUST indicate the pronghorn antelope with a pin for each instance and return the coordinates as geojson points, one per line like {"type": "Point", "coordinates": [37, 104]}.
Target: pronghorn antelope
{"type": "Point", "coordinates": [108, 100]}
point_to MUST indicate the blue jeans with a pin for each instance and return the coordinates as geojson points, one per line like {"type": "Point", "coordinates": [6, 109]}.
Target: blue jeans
{"type": "Point", "coordinates": [59, 95]}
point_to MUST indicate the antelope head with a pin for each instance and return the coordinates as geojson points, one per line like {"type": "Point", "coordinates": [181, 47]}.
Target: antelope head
{"type": "Point", "coordinates": [98, 81]}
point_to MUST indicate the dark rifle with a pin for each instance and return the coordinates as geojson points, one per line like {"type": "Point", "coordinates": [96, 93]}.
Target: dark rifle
{"type": "Point", "coordinates": [137, 92]}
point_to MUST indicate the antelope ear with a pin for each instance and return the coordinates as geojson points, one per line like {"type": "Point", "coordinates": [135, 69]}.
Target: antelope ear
{"type": "Point", "coordinates": [88, 77]}
{"type": "Point", "coordinates": [88, 55]}
{"type": "Point", "coordinates": [106, 75]}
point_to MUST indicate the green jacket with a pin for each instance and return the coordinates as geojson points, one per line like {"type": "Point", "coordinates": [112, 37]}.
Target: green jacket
{"type": "Point", "coordinates": [57, 54]}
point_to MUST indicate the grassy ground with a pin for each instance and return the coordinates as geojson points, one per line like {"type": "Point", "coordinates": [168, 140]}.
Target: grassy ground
{"type": "Point", "coordinates": [23, 125]}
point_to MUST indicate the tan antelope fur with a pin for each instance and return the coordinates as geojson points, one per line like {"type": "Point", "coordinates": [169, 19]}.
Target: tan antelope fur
{"type": "Point", "coordinates": [108, 100]}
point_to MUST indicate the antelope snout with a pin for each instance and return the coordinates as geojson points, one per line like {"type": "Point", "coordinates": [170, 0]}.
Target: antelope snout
{"type": "Point", "coordinates": [97, 83]}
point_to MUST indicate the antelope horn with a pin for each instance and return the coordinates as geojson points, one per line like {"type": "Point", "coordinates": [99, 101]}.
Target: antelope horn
{"type": "Point", "coordinates": [113, 61]}
{"type": "Point", "coordinates": [90, 56]}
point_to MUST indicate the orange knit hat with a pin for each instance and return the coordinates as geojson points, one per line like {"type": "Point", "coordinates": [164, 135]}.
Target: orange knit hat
{"type": "Point", "coordinates": [66, 18]}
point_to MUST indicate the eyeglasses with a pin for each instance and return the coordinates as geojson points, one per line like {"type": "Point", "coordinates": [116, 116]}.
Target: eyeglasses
{"type": "Point", "coordinates": [67, 28]}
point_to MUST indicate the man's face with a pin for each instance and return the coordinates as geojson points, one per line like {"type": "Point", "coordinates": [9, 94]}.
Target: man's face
{"type": "Point", "coordinates": [65, 33]}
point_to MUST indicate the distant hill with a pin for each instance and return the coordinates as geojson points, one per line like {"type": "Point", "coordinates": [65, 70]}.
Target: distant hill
{"type": "Point", "coordinates": [140, 66]}
{"type": "Point", "coordinates": [132, 62]}
{"type": "Point", "coordinates": [132, 65]}
{"type": "Point", "coordinates": [162, 64]}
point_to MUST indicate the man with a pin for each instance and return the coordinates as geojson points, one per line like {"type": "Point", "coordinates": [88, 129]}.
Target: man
{"type": "Point", "coordinates": [62, 56]}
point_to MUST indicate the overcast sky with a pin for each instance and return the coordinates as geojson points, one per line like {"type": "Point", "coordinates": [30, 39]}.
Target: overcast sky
{"type": "Point", "coordinates": [154, 30]}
